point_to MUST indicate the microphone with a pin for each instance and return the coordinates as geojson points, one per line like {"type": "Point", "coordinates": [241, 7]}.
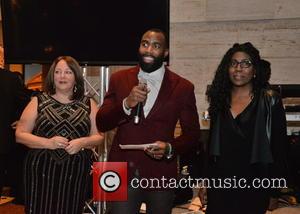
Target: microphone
{"type": "Point", "coordinates": [139, 106]}
{"type": "Point", "coordinates": [138, 113]}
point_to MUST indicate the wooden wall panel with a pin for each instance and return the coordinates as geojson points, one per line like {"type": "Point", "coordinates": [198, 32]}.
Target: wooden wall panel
{"type": "Point", "coordinates": [203, 30]}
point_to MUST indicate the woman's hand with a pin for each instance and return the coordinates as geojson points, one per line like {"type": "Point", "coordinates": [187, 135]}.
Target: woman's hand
{"type": "Point", "coordinates": [74, 146]}
{"type": "Point", "coordinates": [58, 142]}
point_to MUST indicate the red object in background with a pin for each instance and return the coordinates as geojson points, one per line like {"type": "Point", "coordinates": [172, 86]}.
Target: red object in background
{"type": "Point", "coordinates": [110, 181]}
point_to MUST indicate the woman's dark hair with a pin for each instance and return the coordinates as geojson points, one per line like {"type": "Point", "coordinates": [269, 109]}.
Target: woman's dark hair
{"type": "Point", "coordinates": [219, 93]}
{"type": "Point", "coordinates": [78, 91]}
{"type": "Point", "coordinates": [266, 69]}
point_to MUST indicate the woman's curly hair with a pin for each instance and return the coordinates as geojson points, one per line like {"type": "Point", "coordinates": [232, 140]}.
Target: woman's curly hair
{"type": "Point", "coordinates": [219, 92]}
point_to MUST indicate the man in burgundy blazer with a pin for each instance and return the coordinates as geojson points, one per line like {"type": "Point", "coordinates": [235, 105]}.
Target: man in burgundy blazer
{"type": "Point", "coordinates": [167, 98]}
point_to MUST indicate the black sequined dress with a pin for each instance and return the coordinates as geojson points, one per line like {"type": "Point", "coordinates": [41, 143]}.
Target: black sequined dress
{"type": "Point", "coordinates": [56, 182]}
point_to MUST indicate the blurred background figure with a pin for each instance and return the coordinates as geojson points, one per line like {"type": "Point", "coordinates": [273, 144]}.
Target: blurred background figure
{"type": "Point", "coordinates": [14, 99]}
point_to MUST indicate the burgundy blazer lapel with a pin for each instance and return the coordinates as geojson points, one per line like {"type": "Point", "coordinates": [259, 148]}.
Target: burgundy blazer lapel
{"type": "Point", "coordinates": [167, 86]}
{"type": "Point", "coordinates": [132, 79]}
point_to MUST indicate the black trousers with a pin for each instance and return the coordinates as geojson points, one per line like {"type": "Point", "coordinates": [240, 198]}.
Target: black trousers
{"type": "Point", "coordinates": [4, 165]}
{"type": "Point", "coordinates": [237, 201]}
{"type": "Point", "coordinates": [156, 202]}
{"type": "Point", "coordinates": [11, 172]}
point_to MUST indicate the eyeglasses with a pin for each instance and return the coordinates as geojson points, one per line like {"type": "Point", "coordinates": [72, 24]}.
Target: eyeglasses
{"type": "Point", "coordinates": [246, 63]}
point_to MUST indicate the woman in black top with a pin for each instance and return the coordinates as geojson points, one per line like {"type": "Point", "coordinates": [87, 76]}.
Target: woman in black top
{"type": "Point", "coordinates": [247, 135]}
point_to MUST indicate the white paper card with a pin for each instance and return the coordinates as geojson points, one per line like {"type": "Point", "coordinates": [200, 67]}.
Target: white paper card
{"type": "Point", "coordinates": [138, 146]}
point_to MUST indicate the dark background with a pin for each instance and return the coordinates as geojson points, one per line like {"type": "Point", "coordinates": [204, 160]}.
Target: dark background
{"type": "Point", "coordinates": [94, 32]}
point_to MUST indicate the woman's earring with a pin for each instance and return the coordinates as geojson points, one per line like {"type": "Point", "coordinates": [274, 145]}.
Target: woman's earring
{"type": "Point", "coordinates": [254, 76]}
{"type": "Point", "coordinates": [75, 89]}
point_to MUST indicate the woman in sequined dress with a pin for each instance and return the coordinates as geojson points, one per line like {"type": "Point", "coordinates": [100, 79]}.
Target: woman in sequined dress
{"type": "Point", "coordinates": [59, 128]}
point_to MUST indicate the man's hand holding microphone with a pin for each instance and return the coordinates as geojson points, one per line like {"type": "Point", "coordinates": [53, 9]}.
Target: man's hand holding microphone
{"type": "Point", "coordinates": [137, 98]}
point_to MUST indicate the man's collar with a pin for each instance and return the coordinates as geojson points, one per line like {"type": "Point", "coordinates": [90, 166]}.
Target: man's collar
{"type": "Point", "coordinates": [157, 74]}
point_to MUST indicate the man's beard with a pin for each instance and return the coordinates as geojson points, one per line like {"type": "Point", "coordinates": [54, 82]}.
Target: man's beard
{"type": "Point", "coordinates": [150, 67]}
